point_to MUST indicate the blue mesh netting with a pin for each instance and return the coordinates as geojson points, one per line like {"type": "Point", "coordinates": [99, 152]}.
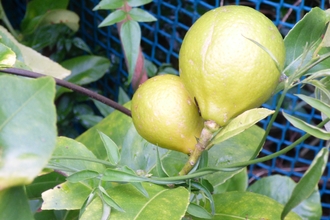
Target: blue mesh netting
{"type": "Point", "coordinates": [161, 42]}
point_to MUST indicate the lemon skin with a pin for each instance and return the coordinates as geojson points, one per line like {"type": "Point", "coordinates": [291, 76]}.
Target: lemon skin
{"type": "Point", "coordinates": [164, 114]}
{"type": "Point", "coordinates": [222, 65]}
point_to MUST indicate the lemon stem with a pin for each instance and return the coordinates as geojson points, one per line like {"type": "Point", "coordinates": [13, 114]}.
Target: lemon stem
{"type": "Point", "coordinates": [210, 127]}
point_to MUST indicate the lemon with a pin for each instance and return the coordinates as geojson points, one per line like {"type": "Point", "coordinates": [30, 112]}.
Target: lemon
{"type": "Point", "coordinates": [164, 114]}
{"type": "Point", "coordinates": [226, 62]}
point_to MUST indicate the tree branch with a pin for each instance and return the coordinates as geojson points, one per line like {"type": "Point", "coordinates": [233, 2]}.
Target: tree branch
{"type": "Point", "coordinates": [74, 87]}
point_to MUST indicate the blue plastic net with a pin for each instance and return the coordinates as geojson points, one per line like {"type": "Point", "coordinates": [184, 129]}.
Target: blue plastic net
{"type": "Point", "coordinates": [161, 42]}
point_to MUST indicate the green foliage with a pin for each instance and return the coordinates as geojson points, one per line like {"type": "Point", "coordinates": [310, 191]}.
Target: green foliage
{"type": "Point", "coordinates": [110, 171]}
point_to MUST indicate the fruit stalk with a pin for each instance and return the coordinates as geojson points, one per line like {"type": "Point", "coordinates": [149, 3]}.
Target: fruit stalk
{"type": "Point", "coordinates": [210, 127]}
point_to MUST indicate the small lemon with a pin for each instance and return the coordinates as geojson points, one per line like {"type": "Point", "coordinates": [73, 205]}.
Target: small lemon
{"type": "Point", "coordinates": [223, 65]}
{"type": "Point", "coordinates": [164, 114]}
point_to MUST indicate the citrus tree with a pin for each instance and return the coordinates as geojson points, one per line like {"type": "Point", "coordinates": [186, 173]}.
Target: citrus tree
{"type": "Point", "coordinates": [180, 148]}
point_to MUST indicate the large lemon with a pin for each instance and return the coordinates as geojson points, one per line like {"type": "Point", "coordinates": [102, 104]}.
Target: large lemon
{"type": "Point", "coordinates": [225, 61]}
{"type": "Point", "coordinates": [164, 114]}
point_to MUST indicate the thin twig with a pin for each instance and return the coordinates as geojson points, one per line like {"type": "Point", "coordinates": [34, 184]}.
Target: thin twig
{"type": "Point", "coordinates": [71, 86]}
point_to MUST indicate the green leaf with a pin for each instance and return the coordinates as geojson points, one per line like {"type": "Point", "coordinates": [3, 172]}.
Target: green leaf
{"type": "Point", "coordinates": [136, 3]}
{"type": "Point", "coordinates": [6, 40]}
{"type": "Point", "coordinates": [81, 44]}
{"type": "Point", "coordinates": [237, 182]}
{"type": "Point", "coordinates": [42, 183]}
{"type": "Point", "coordinates": [27, 128]}
{"type": "Point", "coordinates": [280, 188]}
{"type": "Point", "coordinates": [104, 109]}
{"type": "Point", "coordinates": [82, 175]}
{"type": "Point", "coordinates": [94, 210]}
{"type": "Point", "coordinates": [159, 166]}
{"type": "Point", "coordinates": [308, 182]}
{"type": "Point", "coordinates": [207, 193]}
{"type": "Point", "coordinates": [248, 205]}
{"type": "Point", "coordinates": [305, 33]}
{"type": "Point", "coordinates": [14, 204]}
{"type": "Point", "coordinates": [316, 103]}
{"type": "Point", "coordinates": [123, 97]}
{"type": "Point", "coordinates": [111, 148]}
{"type": "Point", "coordinates": [241, 123]}
{"type": "Point", "coordinates": [89, 120]}
{"type": "Point", "coordinates": [198, 211]}
{"type": "Point", "coordinates": [310, 129]}
{"type": "Point", "coordinates": [72, 149]}
{"type": "Point", "coordinates": [34, 60]}
{"type": "Point", "coordinates": [120, 176]}
{"type": "Point", "coordinates": [37, 8]}
{"type": "Point", "coordinates": [109, 201]}
{"type": "Point", "coordinates": [7, 56]}
{"type": "Point", "coordinates": [130, 35]}
{"type": "Point", "coordinates": [115, 17]}
{"type": "Point", "coordinates": [109, 4]}
{"type": "Point", "coordinates": [140, 15]}
{"type": "Point", "coordinates": [61, 16]}
{"type": "Point", "coordinates": [85, 69]}
{"type": "Point", "coordinates": [66, 196]}
{"type": "Point", "coordinates": [163, 203]}
{"type": "Point", "coordinates": [137, 185]}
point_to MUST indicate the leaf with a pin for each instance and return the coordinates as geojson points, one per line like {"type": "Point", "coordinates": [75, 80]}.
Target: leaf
{"type": "Point", "coordinates": [37, 62]}
{"type": "Point", "coordinates": [89, 120]}
{"type": "Point", "coordinates": [82, 175]}
{"type": "Point", "coordinates": [159, 166]}
{"type": "Point", "coordinates": [14, 204]}
{"type": "Point", "coordinates": [237, 182]}
{"type": "Point", "coordinates": [163, 203]}
{"type": "Point", "coordinates": [310, 129]}
{"type": "Point", "coordinates": [123, 97]}
{"type": "Point", "coordinates": [42, 183]}
{"type": "Point", "coordinates": [113, 18]}
{"type": "Point", "coordinates": [67, 195]}
{"type": "Point", "coordinates": [137, 185]}
{"type": "Point", "coordinates": [136, 153]}
{"type": "Point", "coordinates": [130, 35]}
{"type": "Point", "coordinates": [280, 188]}
{"type": "Point", "coordinates": [241, 123]}
{"type": "Point", "coordinates": [7, 40]}
{"type": "Point", "coordinates": [86, 69]}
{"type": "Point", "coordinates": [70, 148]}
{"type": "Point", "coordinates": [307, 184]}
{"type": "Point", "coordinates": [36, 8]}
{"type": "Point", "coordinates": [27, 128]}
{"type": "Point", "coordinates": [61, 16]}
{"type": "Point", "coordinates": [248, 205]}
{"type": "Point", "coordinates": [7, 56]}
{"type": "Point", "coordinates": [198, 211]}
{"type": "Point", "coordinates": [306, 32]}
{"type": "Point", "coordinates": [136, 3]}
{"type": "Point", "coordinates": [120, 176]}
{"type": "Point", "coordinates": [104, 109]}
{"type": "Point", "coordinates": [94, 210]}
{"type": "Point", "coordinates": [108, 200]}
{"type": "Point", "coordinates": [316, 103]}
{"type": "Point", "coordinates": [141, 15]}
{"type": "Point", "coordinates": [111, 148]}
{"type": "Point", "coordinates": [109, 4]}
{"type": "Point", "coordinates": [81, 44]}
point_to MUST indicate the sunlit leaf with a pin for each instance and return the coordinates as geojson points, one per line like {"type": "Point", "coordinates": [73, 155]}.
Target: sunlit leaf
{"type": "Point", "coordinates": [115, 17]}
{"type": "Point", "coordinates": [27, 128]}
{"type": "Point", "coordinates": [130, 35]}
{"type": "Point", "coordinates": [316, 103]}
{"type": "Point", "coordinates": [198, 211]}
{"type": "Point", "coordinates": [108, 200]}
{"type": "Point", "coordinates": [241, 123]}
{"type": "Point", "coordinates": [140, 15]}
{"type": "Point", "coordinates": [111, 148]}
{"type": "Point", "coordinates": [7, 56]}
{"type": "Point", "coordinates": [280, 188]}
{"type": "Point", "coordinates": [310, 129]}
{"type": "Point", "coordinates": [307, 184]}
{"type": "Point", "coordinates": [66, 196]}
{"type": "Point", "coordinates": [82, 175]}
{"type": "Point", "coordinates": [109, 4]}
